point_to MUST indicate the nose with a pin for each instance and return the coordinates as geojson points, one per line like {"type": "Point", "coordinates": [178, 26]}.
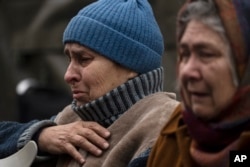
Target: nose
{"type": "Point", "coordinates": [71, 76]}
{"type": "Point", "coordinates": [190, 69]}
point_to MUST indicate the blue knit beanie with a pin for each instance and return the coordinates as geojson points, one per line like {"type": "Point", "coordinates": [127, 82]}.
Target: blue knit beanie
{"type": "Point", "coordinates": [124, 31]}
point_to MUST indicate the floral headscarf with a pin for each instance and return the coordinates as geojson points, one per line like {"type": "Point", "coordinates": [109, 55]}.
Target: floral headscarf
{"type": "Point", "coordinates": [235, 16]}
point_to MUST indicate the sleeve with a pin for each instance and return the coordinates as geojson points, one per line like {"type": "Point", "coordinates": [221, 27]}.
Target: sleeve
{"type": "Point", "coordinates": [31, 130]}
{"type": "Point", "coordinates": [31, 133]}
{"type": "Point", "coordinates": [9, 136]}
{"type": "Point", "coordinates": [140, 161]}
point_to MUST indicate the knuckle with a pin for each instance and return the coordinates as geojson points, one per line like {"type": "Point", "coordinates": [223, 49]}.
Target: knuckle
{"type": "Point", "coordinates": [81, 141]}
{"type": "Point", "coordinates": [88, 134]}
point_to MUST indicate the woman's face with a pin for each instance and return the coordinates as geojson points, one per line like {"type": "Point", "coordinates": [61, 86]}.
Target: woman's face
{"type": "Point", "coordinates": [91, 75]}
{"type": "Point", "coordinates": [204, 73]}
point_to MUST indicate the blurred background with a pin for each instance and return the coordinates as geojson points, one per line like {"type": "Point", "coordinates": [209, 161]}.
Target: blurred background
{"type": "Point", "coordinates": [32, 63]}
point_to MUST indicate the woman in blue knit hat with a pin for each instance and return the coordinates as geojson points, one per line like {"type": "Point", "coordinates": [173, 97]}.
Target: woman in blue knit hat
{"type": "Point", "coordinates": [214, 82]}
{"type": "Point", "coordinates": [115, 49]}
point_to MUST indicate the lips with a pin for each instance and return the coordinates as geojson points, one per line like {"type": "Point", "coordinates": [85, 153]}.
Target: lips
{"type": "Point", "coordinates": [197, 91]}
{"type": "Point", "coordinates": [198, 96]}
{"type": "Point", "coordinates": [77, 94]}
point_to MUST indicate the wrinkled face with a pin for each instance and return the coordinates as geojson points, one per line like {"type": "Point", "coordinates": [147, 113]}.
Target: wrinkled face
{"type": "Point", "coordinates": [204, 75]}
{"type": "Point", "coordinates": [91, 75]}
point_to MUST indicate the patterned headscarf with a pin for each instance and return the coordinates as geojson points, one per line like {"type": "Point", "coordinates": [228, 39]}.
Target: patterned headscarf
{"type": "Point", "coordinates": [235, 16]}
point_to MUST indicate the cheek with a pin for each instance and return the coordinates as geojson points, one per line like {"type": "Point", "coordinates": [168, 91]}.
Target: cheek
{"type": "Point", "coordinates": [223, 87]}
{"type": "Point", "coordinates": [94, 79]}
{"type": "Point", "coordinates": [89, 78]}
{"type": "Point", "coordinates": [98, 83]}
{"type": "Point", "coordinates": [223, 94]}
{"type": "Point", "coordinates": [95, 87]}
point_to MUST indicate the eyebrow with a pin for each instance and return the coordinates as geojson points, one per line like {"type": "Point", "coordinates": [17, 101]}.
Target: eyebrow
{"type": "Point", "coordinates": [200, 45]}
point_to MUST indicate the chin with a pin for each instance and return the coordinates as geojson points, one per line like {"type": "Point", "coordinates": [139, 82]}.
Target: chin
{"type": "Point", "coordinates": [79, 103]}
{"type": "Point", "coordinates": [202, 113]}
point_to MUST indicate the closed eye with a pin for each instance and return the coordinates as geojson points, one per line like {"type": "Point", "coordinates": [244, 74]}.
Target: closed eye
{"type": "Point", "coordinates": [184, 54]}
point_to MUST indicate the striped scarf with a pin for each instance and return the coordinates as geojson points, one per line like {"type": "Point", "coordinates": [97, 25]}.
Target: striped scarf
{"type": "Point", "coordinates": [106, 109]}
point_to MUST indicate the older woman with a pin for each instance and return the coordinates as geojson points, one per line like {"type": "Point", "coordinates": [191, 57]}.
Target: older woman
{"type": "Point", "coordinates": [114, 50]}
{"type": "Point", "coordinates": [213, 74]}
{"type": "Point", "coordinates": [115, 74]}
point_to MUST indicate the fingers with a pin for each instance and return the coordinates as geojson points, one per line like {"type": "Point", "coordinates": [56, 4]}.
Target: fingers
{"type": "Point", "coordinates": [91, 143]}
{"type": "Point", "coordinates": [89, 136]}
{"type": "Point", "coordinates": [74, 153]}
{"type": "Point", "coordinates": [103, 132]}
{"type": "Point", "coordinates": [97, 135]}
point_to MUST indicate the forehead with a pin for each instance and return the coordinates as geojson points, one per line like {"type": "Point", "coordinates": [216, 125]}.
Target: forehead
{"type": "Point", "coordinates": [198, 32]}
{"type": "Point", "coordinates": [77, 48]}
